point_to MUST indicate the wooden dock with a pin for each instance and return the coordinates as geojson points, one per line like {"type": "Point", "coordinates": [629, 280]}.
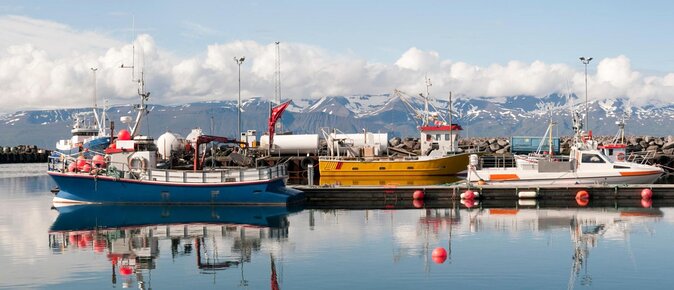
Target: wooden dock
{"type": "Point", "coordinates": [486, 192]}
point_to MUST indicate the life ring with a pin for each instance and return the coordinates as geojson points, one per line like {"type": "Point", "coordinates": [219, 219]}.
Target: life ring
{"type": "Point", "coordinates": [621, 156]}
{"type": "Point", "coordinates": [133, 162]}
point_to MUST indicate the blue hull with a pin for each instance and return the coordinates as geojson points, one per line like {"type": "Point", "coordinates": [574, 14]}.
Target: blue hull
{"type": "Point", "coordinates": [82, 188]}
{"type": "Point", "coordinates": [91, 217]}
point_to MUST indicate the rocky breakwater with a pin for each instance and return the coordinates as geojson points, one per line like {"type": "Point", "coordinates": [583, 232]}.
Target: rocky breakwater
{"type": "Point", "coordinates": [648, 149]}
{"type": "Point", "coordinates": [23, 154]}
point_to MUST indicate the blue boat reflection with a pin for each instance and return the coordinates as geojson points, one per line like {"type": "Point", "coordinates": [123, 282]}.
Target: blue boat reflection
{"type": "Point", "coordinates": [220, 237]}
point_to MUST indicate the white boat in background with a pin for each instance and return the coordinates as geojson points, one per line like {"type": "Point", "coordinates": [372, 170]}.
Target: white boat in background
{"type": "Point", "coordinates": [86, 134]}
{"type": "Point", "coordinates": [586, 164]}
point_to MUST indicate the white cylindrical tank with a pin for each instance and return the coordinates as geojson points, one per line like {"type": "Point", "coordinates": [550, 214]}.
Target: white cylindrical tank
{"type": "Point", "coordinates": [360, 140]}
{"type": "Point", "coordinates": [292, 144]}
{"type": "Point", "coordinates": [192, 136]}
{"type": "Point", "coordinates": [168, 142]}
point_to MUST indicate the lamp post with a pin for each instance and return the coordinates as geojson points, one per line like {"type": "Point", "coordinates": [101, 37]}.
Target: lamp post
{"type": "Point", "coordinates": [94, 69]}
{"type": "Point", "coordinates": [585, 61]}
{"type": "Point", "coordinates": [239, 61]}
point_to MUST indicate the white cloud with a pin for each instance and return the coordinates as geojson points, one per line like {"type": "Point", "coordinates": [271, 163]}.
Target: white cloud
{"type": "Point", "coordinates": [47, 65]}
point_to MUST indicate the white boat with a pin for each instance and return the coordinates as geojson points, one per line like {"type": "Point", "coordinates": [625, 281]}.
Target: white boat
{"type": "Point", "coordinates": [86, 134]}
{"type": "Point", "coordinates": [586, 164]}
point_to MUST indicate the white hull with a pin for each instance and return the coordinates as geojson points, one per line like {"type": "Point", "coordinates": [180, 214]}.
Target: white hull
{"type": "Point", "coordinates": [522, 177]}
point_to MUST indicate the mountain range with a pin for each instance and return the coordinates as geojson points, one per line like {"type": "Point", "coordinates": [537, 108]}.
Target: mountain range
{"type": "Point", "coordinates": [394, 113]}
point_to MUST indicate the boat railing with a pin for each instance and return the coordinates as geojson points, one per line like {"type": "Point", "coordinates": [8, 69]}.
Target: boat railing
{"type": "Point", "coordinates": [218, 175]}
{"type": "Point", "coordinates": [641, 157]}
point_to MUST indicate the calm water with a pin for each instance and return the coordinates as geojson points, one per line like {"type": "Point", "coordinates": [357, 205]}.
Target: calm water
{"type": "Point", "coordinates": [263, 248]}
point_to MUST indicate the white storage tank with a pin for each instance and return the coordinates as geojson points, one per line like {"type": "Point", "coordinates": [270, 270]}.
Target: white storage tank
{"type": "Point", "coordinates": [168, 142]}
{"type": "Point", "coordinates": [292, 144]}
{"type": "Point", "coordinates": [360, 140]}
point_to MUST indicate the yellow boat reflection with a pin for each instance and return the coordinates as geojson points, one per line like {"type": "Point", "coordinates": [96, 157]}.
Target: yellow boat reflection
{"type": "Point", "coordinates": [386, 180]}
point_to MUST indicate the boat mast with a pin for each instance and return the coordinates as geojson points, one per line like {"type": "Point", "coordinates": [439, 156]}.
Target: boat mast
{"type": "Point", "coordinates": [428, 84]}
{"type": "Point", "coordinates": [449, 111]}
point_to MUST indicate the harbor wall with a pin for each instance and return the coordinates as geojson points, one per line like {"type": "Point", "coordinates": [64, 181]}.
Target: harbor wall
{"type": "Point", "coordinates": [23, 154]}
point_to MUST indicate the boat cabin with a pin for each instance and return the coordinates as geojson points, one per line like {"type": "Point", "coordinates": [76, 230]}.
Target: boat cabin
{"type": "Point", "coordinates": [439, 140]}
{"type": "Point", "coordinates": [615, 152]}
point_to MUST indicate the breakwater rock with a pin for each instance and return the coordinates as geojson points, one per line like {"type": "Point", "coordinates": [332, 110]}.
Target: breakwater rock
{"type": "Point", "coordinates": [23, 154]}
{"type": "Point", "coordinates": [648, 149]}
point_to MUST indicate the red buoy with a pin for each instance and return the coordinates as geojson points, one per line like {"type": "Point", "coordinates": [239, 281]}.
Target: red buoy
{"type": "Point", "coordinates": [86, 167]}
{"type": "Point", "coordinates": [98, 161]}
{"type": "Point", "coordinates": [439, 255]}
{"type": "Point", "coordinates": [582, 198]}
{"type": "Point", "coordinates": [418, 203]}
{"type": "Point", "coordinates": [80, 162]}
{"type": "Point", "coordinates": [646, 203]}
{"type": "Point", "coordinates": [583, 195]}
{"type": "Point", "coordinates": [646, 193]}
{"type": "Point", "coordinates": [468, 194]}
{"type": "Point", "coordinates": [72, 167]}
{"type": "Point", "coordinates": [418, 194]}
{"type": "Point", "coordinates": [124, 135]}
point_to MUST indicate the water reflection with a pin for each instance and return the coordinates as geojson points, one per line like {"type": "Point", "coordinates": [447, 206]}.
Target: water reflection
{"type": "Point", "coordinates": [220, 238]}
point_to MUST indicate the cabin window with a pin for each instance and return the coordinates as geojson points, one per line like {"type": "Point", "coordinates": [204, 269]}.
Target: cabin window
{"type": "Point", "coordinates": [428, 137]}
{"type": "Point", "coordinates": [437, 137]}
{"type": "Point", "coordinates": [592, 158]}
{"type": "Point", "coordinates": [447, 137]}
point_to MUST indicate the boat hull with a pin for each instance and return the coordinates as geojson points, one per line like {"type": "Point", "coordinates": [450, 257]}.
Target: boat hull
{"type": "Point", "coordinates": [514, 177]}
{"type": "Point", "coordinates": [446, 165]}
{"type": "Point", "coordinates": [84, 188]}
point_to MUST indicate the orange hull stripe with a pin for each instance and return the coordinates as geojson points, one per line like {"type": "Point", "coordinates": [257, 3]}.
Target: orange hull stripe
{"type": "Point", "coordinates": [504, 177]}
{"type": "Point", "coordinates": [508, 211]}
{"type": "Point", "coordinates": [637, 173]}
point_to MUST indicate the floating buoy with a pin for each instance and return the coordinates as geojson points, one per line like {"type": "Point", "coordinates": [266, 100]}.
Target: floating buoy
{"type": "Point", "coordinates": [646, 193]}
{"type": "Point", "coordinates": [468, 194]}
{"type": "Point", "coordinates": [418, 194]}
{"type": "Point", "coordinates": [125, 270]}
{"type": "Point", "coordinates": [439, 255]}
{"type": "Point", "coordinates": [123, 135]}
{"type": "Point", "coordinates": [418, 203]}
{"type": "Point", "coordinates": [584, 195]}
{"type": "Point", "coordinates": [98, 161]}
{"type": "Point", "coordinates": [646, 203]}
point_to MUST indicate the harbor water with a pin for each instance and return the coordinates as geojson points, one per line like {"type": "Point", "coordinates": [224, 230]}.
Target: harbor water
{"type": "Point", "coordinates": [173, 247]}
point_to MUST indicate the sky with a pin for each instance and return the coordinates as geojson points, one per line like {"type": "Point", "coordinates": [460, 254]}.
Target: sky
{"type": "Point", "coordinates": [185, 49]}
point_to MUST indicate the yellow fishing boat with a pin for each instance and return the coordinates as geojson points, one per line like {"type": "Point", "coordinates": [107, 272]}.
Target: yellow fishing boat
{"type": "Point", "coordinates": [390, 166]}
{"type": "Point", "coordinates": [440, 153]}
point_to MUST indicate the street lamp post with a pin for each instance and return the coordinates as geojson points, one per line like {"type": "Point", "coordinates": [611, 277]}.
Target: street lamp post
{"type": "Point", "coordinates": [239, 61]}
{"type": "Point", "coordinates": [94, 69]}
{"type": "Point", "coordinates": [585, 61]}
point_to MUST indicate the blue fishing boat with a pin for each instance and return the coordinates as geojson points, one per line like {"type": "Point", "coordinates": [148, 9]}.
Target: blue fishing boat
{"type": "Point", "coordinates": [128, 173]}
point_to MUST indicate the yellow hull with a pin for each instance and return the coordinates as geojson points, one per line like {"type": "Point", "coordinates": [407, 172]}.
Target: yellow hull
{"type": "Point", "coordinates": [386, 181]}
{"type": "Point", "coordinates": [384, 166]}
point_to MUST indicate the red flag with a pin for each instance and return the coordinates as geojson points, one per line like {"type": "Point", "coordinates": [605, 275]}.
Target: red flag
{"type": "Point", "coordinates": [273, 117]}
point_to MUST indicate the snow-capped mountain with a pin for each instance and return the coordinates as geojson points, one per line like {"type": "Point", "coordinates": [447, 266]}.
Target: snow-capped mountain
{"type": "Point", "coordinates": [396, 114]}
